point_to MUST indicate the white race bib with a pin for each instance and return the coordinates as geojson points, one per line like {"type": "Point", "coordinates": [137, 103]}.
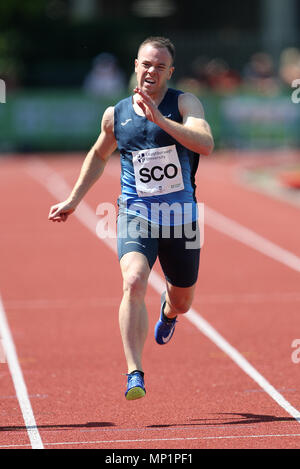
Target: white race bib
{"type": "Point", "coordinates": [157, 171]}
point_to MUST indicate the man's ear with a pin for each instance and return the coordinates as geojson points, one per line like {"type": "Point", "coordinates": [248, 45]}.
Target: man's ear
{"type": "Point", "coordinates": [171, 71]}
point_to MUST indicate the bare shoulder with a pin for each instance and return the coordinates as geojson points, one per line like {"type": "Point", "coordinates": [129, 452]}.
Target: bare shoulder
{"type": "Point", "coordinates": [188, 103]}
{"type": "Point", "coordinates": [106, 142]}
{"type": "Point", "coordinates": [108, 119]}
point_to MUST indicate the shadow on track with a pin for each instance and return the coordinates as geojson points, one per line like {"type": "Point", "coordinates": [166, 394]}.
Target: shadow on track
{"type": "Point", "coordinates": [59, 427]}
{"type": "Point", "coordinates": [229, 419]}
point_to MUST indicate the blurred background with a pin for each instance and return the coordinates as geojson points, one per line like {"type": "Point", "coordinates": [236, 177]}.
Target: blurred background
{"type": "Point", "coordinates": [64, 61]}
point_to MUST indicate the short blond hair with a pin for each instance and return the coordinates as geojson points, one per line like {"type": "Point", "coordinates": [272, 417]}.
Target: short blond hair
{"type": "Point", "coordinates": [160, 42]}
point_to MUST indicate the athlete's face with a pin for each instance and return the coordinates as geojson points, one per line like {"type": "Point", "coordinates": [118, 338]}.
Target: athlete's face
{"type": "Point", "coordinates": [153, 68]}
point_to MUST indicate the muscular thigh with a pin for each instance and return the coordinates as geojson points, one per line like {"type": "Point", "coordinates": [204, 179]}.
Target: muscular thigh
{"type": "Point", "coordinates": [180, 257]}
{"type": "Point", "coordinates": [134, 236]}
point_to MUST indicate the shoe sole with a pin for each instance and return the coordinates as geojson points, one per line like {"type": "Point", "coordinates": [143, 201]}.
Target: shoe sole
{"type": "Point", "coordinates": [135, 393]}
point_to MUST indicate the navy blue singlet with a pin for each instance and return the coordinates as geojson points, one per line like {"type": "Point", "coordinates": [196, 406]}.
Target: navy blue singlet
{"type": "Point", "coordinates": [141, 143]}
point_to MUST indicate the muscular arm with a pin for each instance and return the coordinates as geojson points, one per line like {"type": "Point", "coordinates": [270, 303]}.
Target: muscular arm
{"type": "Point", "coordinates": [91, 170]}
{"type": "Point", "coordinates": [96, 159]}
{"type": "Point", "coordinates": [194, 133]}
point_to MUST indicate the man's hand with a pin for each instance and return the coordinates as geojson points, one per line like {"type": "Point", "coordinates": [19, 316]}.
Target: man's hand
{"type": "Point", "coordinates": [148, 106]}
{"type": "Point", "coordinates": [193, 133]}
{"type": "Point", "coordinates": [60, 212]}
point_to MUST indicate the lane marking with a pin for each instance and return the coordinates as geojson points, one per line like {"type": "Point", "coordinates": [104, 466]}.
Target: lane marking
{"type": "Point", "coordinates": [203, 326]}
{"type": "Point", "coordinates": [241, 361]}
{"type": "Point", "coordinates": [251, 239]}
{"type": "Point", "coordinates": [57, 186]}
{"type": "Point", "coordinates": [18, 381]}
{"type": "Point", "coordinates": [150, 440]}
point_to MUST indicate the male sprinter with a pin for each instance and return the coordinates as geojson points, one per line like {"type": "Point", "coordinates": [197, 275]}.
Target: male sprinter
{"type": "Point", "coordinates": [160, 133]}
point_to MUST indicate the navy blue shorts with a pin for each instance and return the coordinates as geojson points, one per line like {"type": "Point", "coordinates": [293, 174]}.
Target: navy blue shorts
{"type": "Point", "coordinates": [177, 247]}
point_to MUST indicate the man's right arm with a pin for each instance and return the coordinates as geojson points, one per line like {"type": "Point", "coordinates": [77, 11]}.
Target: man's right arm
{"type": "Point", "coordinates": [92, 168]}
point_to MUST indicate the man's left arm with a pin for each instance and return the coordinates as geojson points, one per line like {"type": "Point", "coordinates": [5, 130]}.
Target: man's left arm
{"type": "Point", "coordinates": [193, 133]}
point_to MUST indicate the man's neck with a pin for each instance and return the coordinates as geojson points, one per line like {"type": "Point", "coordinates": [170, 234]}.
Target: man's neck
{"type": "Point", "coordinates": [160, 96]}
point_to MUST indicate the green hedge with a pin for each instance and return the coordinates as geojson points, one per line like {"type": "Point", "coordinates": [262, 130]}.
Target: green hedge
{"type": "Point", "coordinates": [70, 121]}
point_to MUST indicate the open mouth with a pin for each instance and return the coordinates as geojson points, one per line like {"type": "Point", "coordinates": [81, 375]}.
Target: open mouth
{"type": "Point", "coordinates": [150, 81]}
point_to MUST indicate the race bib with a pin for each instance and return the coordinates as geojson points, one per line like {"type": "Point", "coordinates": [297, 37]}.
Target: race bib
{"type": "Point", "coordinates": [157, 171]}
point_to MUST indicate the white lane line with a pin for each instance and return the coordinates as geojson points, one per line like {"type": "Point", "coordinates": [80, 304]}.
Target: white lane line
{"type": "Point", "coordinates": [150, 440]}
{"type": "Point", "coordinates": [222, 343]}
{"type": "Point", "coordinates": [60, 190]}
{"type": "Point", "coordinates": [18, 381]}
{"type": "Point", "coordinates": [202, 325]}
{"type": "Point", "coordinates": [251, 239]}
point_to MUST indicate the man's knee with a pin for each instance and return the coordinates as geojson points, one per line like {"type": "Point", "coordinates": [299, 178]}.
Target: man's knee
{"type": "Point", "coordinates": [135, 273]}
{"type": "Point", "coordinates": [134, 283]}
{"type": "Point", "coordinates": [180, 303]}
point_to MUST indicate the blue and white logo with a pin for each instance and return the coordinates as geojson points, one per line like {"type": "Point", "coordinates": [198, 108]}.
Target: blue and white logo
{"type": "Point", "coordinates": [141, 158]}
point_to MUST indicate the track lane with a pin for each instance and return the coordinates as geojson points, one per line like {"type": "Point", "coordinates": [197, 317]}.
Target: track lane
{"type": "Point", "coordinates": [193, 414]}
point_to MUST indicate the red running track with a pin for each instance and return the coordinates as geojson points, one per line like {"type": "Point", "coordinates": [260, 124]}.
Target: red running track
{"type": "Point", "coordinates": [61, 286]}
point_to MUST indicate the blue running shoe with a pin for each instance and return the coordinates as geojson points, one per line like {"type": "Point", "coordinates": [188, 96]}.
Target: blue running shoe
{"type": "Point", "coordinates": [135, 386]}
{"type": "Point", "coordinates": [164, 328]}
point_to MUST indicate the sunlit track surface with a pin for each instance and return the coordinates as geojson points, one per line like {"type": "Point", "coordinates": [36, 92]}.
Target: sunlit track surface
{"type": "Point", "coordinates": [61, 287]}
